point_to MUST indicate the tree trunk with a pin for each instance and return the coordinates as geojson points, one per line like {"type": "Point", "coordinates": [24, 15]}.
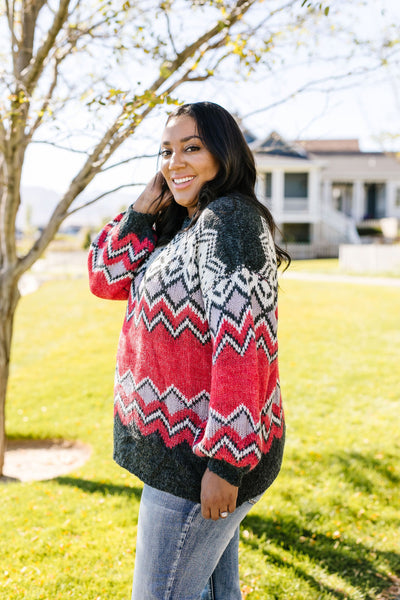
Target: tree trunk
{"type": "Point", "coordinates": [9, 296]}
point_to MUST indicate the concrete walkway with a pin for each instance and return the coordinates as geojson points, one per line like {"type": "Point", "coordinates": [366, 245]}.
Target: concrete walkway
{"type": "Point", "coordinates": [54, 265]}
{"type": "Point", "coordinates": [359, 280]}
{"type": "Point", "coordinates": [65, 265]}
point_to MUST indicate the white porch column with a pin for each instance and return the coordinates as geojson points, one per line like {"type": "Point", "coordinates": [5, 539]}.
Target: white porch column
{"type": "Point", "coordinates": [391, 198]}
{"type": "Point", "coordinates": [277, 191]}
{"type": "Point", "coordinates": [314, 200]}
{"type": "Point", "coordinates": [327, 203]}
{"type": "Point", "coordinates": [358, 209]}
{"type": "Point", "coordinates": [260, 188]}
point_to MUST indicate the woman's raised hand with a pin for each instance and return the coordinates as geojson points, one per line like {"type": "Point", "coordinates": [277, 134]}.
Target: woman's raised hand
{"type": "Point", "coordinates": [146, 203]}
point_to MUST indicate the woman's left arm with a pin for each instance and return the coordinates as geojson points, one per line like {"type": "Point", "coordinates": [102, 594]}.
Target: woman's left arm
{"type": "Point", "coordinates": [239, 285]}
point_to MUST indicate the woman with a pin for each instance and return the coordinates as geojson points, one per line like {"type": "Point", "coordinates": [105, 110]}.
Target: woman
{"type": "Point", "coordinates": [198, 412]}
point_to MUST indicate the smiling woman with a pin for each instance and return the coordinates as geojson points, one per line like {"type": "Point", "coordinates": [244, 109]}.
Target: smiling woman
{"type": "Point", "coordinates": [198, 409]}
{"type": "Point", "coordinates": [186, 163]}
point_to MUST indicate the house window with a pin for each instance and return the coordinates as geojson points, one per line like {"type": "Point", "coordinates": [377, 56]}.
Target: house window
{"type": "Point", "coordinates": [296, 233]}
{"type": "Point", "coordinates": [268, 185]}
{"type": "Point", "coordinates": [296, 185]}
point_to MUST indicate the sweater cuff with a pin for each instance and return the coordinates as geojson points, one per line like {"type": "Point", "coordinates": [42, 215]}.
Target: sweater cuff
{"type": "Point", "coordinates": [136, 222]}
{"type": "Point", "coordinates": [231, 474]}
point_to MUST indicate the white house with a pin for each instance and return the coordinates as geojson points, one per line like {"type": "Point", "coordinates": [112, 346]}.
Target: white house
{"type": "Point", "coordinates": [322, 193]}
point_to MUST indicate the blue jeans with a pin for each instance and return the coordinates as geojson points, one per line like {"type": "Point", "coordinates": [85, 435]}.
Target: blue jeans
{"type": "Point", "coordinates": [182, 556]}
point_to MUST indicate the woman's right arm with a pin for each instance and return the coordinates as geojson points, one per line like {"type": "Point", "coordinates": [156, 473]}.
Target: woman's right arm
{"type": "Point", "coordinates": [116, 253]}
{"type": "Point", "coordinates": [122, 245]}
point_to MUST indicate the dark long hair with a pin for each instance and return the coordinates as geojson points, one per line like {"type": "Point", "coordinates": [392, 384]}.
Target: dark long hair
{"type": "Point", "coordinates": [236, 176]}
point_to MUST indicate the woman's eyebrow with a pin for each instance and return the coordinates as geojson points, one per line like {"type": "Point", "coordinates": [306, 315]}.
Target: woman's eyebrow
{"type": "Point", "coordinates": [185, 139]}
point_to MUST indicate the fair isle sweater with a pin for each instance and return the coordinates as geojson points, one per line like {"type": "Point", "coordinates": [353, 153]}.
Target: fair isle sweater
{"type": "Point", "coordinates": [197, 381]}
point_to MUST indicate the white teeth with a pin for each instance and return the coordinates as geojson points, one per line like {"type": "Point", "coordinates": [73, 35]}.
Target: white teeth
{"type": "Point", "coordinates": [183, 179]}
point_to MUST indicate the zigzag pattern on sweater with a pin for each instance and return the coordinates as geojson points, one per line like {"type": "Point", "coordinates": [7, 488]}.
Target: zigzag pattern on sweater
{"type": "Point", "coordinates": [176, 417]}
{"type": "Point", "coordinates": [237, 304]}
{"type": "Point", "coordinates": [118, 256]}
{"type": "Point", "coordinates": [240, 434]}
{"type": "Point", "coordinates": [237, 334]}
{"type": "Point", "coordinates": [202, 315]}
{"type": "Point", "coordinates": [173, 416]}
{"type": "Point", "coordinates": [172, 398]}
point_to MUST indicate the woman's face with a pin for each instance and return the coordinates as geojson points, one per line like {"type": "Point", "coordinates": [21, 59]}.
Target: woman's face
{"type": "Point", "coordinates": [185, 162]}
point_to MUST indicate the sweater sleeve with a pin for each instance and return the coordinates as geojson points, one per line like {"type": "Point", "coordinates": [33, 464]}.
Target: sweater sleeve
{"type": "Point", "coordinates": [118, 250]}
{"type": "Point", "coordinates": [238, 278]}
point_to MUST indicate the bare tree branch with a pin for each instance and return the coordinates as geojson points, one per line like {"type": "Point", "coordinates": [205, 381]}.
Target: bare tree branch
{"type": "Point", "coordinates": [46, 101]}
{"type": "Point", "coordinates": [120, 187]}
{"type": "Point", "coordinates": [171, 38]}
{"type": "Point", "coordinates": [14, 40]}
{"type": "Point", "coordinates": [60, 147]}
{"type": "Point", "coordinates": [309, 87]}
{"type": "Point", "coordinates": [3, 138]}
{"type": "Point", "coordinates": [117, 134]}
{"type": "Point", "coordinates": [237, 12]}
{"type": "Point", "coordinates": [28, 14]}
{"type": "Point", "coordinates": [33, 71]}
{"type": "Point", "coordinates": [91, 167]}
{"type": "Point", "coordinates": [76, 33]}
{"type": "Point", "coordinates": [127, 160]}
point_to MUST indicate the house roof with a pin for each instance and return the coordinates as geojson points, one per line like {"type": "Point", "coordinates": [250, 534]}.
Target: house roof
{"type": "Point", "coordinates": [330, 146]}
{"type": "Point", "coordinates": [365, 166]}
{"type": "Point", "coordinates": [276, 145]}
{"type": "Point", "coordinates": [248, 136]}
{"type": "Point", "coordinates": [343, 156]}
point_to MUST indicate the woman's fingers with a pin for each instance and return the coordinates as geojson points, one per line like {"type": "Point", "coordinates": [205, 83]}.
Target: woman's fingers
{"type": "Point", "coordinates": [218, 496]}
{"type": "Point", "coordinates": [146, 202]}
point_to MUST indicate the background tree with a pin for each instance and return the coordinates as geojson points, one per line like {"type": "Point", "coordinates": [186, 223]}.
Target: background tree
{"type": "Point", "coordinates": [91, 72]}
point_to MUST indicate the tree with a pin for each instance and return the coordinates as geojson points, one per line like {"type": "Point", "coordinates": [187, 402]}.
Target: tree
{"type": "Point", "coordinates": [62, 55]}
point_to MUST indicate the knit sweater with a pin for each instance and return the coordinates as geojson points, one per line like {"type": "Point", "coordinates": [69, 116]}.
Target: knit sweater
{"type": "Point", "coordinates": [196, 381]}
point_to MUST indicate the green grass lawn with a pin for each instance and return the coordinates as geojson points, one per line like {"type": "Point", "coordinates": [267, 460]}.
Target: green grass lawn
{"type": "Point", "coordinates": [318, 265]}
{"type": "Point", "coordinates": [327, 529]}
{"type": "Point", "coordinates": [330, 266]}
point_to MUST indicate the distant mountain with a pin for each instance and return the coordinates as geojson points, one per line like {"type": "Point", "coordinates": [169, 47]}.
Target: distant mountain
{"type": "Point", "coordinates": [38, 203]}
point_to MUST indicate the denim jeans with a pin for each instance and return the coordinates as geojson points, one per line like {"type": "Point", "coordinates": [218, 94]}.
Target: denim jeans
{"type": "Point", "coordinates": [182, 556]}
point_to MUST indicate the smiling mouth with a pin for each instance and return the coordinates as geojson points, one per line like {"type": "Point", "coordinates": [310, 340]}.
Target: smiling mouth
{"type": "Point", "coordinates": [180, 180]}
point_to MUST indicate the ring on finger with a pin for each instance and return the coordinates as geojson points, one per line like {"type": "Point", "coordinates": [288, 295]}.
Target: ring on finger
{"type": "Point", "coordinates": [223, 514]}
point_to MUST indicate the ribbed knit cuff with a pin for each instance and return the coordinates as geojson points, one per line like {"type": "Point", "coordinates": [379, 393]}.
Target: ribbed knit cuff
{"type": "Point", "coordinates": [231, 474]}
{"type": "Point", "coordinates": [137, 222]}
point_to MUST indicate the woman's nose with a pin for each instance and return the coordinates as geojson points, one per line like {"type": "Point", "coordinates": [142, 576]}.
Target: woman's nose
{"type": "Point", "coordinates": [176, 160]}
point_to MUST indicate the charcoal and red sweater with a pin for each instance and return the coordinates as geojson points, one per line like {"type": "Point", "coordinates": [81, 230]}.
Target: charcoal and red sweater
{"type": "Point", "coordinates": [196, 381]}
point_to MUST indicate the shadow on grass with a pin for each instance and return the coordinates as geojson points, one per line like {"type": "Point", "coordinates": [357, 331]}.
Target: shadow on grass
{"type": "Point", "coordinates": [100, 487]}
{"type": "Point", "coordinates": [366, 473]}
{"type": "Point", "coordinates": [31, 437]}
{"type": "Point", "coordinates": [359, 565]}
{"type": "Point", "coordinates": [360, 470]}
{"type": "Point", "coordinates": [348, 560]}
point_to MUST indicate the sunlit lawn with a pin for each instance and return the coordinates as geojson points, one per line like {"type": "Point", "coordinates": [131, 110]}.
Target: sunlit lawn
{"type": "Point", "coordinates": [320, 265]}
{"type": "Point", "coordinates": [331, 266]}
{"type": "Point", "coordinates": [327, 529]}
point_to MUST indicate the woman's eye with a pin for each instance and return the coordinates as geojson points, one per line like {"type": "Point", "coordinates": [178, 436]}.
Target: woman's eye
{"type": "Point", "coordinates": [165, 153]}
{"type": "Point", "coordinates": [192, 148]}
